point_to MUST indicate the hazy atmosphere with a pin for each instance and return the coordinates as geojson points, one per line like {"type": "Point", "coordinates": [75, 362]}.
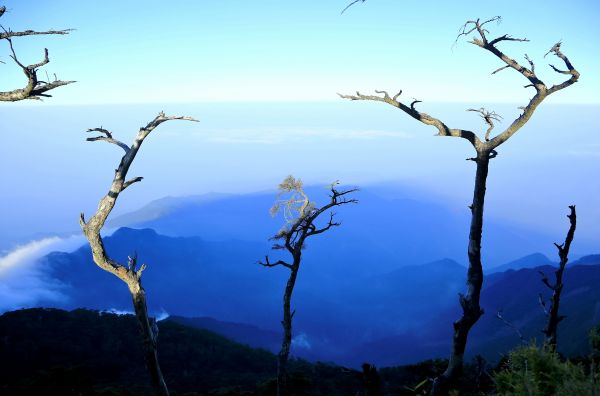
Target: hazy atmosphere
{"type": "Point", "coordinates": [264, 79]}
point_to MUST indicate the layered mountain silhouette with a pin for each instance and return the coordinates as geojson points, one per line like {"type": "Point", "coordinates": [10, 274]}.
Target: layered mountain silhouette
{"type": "Point", "coordinates": [381, 233]}
{"type": "Point", "coordinates": [529, 261]}
{"type": "Point", "coordinates": [395, 317]}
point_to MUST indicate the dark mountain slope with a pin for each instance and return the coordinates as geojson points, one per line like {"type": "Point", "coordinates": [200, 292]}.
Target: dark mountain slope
{"type": "Point", "coordinates": [515, 294]}
{"type": "Point", "coordinates": [104, 351]}
{"type": "Point", "coordinates": [47, 351]}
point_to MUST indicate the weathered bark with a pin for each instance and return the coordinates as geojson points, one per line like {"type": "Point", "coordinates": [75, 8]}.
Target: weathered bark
{"type": "Point", "coordinates": [294, 236]}
{"type": "Point", "coordinates": [34, 88]}
{"type": "Point", "coordinates": [469, 302]}
{"type": "Point", "coordinates": [149, 337]}
{"type": "Point", "coordinates": [563, 252]}
{"type": "Point", "coordinates": [130, 274]}
{"type": "Point", "coordinates": [286, 323]}
{"type": "Point", "coordinates": [486, 150]}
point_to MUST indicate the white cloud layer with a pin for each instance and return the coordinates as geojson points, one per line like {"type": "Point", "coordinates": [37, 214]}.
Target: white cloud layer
{"type": "Point", "coordinates": [24, 282]}
{"type": "Point", "coordinates": [272, 135]}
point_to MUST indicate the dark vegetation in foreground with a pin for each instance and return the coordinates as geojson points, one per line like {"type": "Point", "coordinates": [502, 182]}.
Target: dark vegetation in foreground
{"type": "Point", "coordinates": [83, 352]}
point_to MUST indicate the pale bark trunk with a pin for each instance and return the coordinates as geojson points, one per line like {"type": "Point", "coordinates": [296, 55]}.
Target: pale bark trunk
{"type": "Point", "coordinates": [129, 273]}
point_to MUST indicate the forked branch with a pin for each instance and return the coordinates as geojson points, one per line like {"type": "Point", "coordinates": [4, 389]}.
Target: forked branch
{"type": "Point", "coordinates": [93, 227]}
{"type": "Point", "coordinates": [267, 263]}
{"type": "Point", "coordinates": [107, 138]}
{"type": "Point", "coordinates": [300, 215]}
{"type": "Point", "coordinates": [542, 91]}
{"type": "Point", "coordinates": [554, 318]}
{"type": "Point", "coordinates": [35, 88]}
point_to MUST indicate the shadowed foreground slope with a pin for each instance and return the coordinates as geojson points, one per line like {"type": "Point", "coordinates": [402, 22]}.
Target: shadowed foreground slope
{"type": "Point", "coordinates": [49, 351]}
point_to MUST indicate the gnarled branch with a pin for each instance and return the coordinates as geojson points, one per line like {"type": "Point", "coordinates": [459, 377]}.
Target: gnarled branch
{"type": "Point", "coordinates": [542, 91]}
{"type": "Point", "coordinates": [443, 129]}
{"type": "Point", "coordinates": [489, 118]}
{"type": "Point", "coordinates": [107, 138]}
{"type": "Point", "coordinates": [563, 252]}
{"type": "Point", "coordinates": [267, 263]}
{"type": "Point", "coordinates": [35, 88]}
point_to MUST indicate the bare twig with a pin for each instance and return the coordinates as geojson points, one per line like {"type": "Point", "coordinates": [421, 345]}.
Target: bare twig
{"type": "Point", "coordinates": [511, 325]}
{"type": "Point", "coordinates": [489, 118]}
{"type": "Point", "coordinates": [351, 4]}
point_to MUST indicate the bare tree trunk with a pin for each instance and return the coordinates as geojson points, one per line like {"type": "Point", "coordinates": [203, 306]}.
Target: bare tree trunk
{"type": "Point", "coordinates": [563, 252]}
{"type": "Point", "coordinates": [486, 149]}
{"type": "Point", "coordinates": [286, 343]}
{"type": "Point", "coordinates": [130, 274]}
{"type": "Point", "coordinates": [469, 302]}
{"type": "Point", "coordinates": [294, 233]}
{"type": "Point", "coordinates": [149, 334]}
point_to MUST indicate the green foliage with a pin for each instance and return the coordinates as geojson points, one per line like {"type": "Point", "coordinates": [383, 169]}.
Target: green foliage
{"type": "Point", "coordinates": [533, 371]}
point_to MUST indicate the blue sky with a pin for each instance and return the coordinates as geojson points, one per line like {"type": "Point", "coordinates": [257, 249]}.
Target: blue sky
{"type": "Point", "coordinates": [250, 56]}
{"type": "Point", "coordinates": [148, 51]}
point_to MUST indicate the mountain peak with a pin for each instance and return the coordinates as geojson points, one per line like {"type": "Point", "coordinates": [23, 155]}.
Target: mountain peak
{"type": "Point", "coordinates": [587, 260]}
{"type": "Point", "coordinates": [127, 233]}
{"type": "Point", "coordinates": [530, 261]}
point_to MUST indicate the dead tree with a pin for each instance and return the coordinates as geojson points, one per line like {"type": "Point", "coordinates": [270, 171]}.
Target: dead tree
{"type": "Point", "coordinates": [485, 150]}
{"type": "Point", "coordinates": [300, 215]}
{"type": "Point", "coordinates": [129, 273]}
{"type": "Point", "coordinates": [35, 88]}
{"type": "Point", "coordinates": [552, 312]}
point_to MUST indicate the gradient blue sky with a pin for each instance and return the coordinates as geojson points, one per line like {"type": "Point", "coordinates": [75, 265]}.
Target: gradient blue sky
{"type": "Point", "coordinates": [185, 56]}
{"type": "Point", "coordinates": [232, 50]}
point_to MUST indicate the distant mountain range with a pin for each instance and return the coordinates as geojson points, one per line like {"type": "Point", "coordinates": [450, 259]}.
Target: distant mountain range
{"type": "Point", "coordinates": [384, 228]}
{"type": "Point", "coordinates": [529, 261]}
{"type": "Point", "coordinates": [396, 317]}
{"type": "Point", "coordinates": [515, 294]}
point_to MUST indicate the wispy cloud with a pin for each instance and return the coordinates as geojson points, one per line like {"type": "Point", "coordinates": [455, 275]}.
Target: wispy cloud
{"type": "Point", "coordinates": [589, 150]}
{"type": "Point", "coordinates": [25, 253]}
{"type": "Point", "coordinates": [301, 341]}
{"type": "Point", "coordinates": [161, 315]}
{"type": "Point", "coordinates": [119, 312]}
{"type": "Point", "coordinates": [23, 280]}
{"type": "Point", "coordinates": [273, 135]}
